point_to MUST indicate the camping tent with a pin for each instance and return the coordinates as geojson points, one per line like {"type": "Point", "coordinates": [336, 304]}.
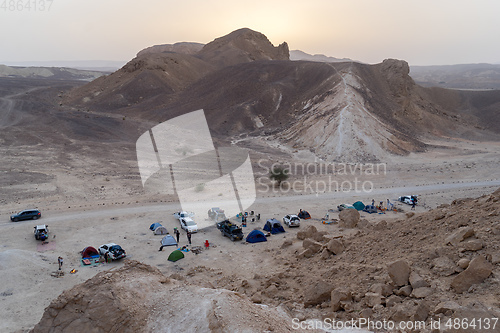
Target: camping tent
{"type": "Point", "coordinates": [304, 214]}
{"type": "Point", "coordinates": [359, 205]}
{"type": "Point", "coordinates": [273, 226]}
{"type": "Point", "coordinates": [161, 230]}
{"type": "Point", "coordinates": [89, 252]}
{"type": "Point", "coordinates": [175, 255]}
{"type": "Point", "coordinates": [256, 236]}
{"type": "Point", "coordinates": [155, 225]}
{"type": "Point", "coordinates": [370, 209]}
{"type": "Point", "coordinates": [168, 240]}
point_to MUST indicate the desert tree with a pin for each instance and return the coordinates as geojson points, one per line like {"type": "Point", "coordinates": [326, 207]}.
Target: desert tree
{"type": "Point", "coordinates": [278, 173]}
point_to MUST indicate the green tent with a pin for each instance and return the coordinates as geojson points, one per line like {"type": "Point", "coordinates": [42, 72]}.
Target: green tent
{"type": "Point", "coordinates": [176, 255]}
{"type": "Point", "coordinates": [358, 205]}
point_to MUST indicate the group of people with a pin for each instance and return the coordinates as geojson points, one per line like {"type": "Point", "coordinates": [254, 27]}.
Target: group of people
{"type": "Point", "coordinates": [177, 236]}
{"type": "Point", "coordinates": [389, 205]}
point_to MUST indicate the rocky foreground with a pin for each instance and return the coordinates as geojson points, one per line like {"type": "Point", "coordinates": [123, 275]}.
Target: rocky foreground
{"type": "Point", "coordinates": [439, 266]}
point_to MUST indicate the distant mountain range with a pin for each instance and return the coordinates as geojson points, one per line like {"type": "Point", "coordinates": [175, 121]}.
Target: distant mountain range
{"type": "Point", "coordinates": [57, 73]}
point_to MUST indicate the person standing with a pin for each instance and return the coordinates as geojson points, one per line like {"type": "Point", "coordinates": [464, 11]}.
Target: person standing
{"type": "Point", "coordinates": [60, 262]}
{"type": "Point", "coordinates": [413, 203]}
{"type": "Point", "coordinates": [189, 237]}
{"type": "Point", "coordinates": [177, 234]}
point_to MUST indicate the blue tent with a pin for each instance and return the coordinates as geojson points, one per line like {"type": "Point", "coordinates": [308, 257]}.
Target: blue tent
{"type": "Point", "coordinates": [370, 209]}
{"type": "Point", "coordinates": [155, 225]}
{"type": "Point", "coordinates": [274, 226]}
{"type": "Point", "coordinates": [256, 236]}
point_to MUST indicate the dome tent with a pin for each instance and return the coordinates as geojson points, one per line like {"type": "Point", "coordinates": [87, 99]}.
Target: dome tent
{"type": "Point", "coordinates": [256, 236]}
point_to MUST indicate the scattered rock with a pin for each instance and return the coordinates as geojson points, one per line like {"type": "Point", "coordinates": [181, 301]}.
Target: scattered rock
{"type": "Point", "coordinates": [479, 269]}
{"type": "Point", "coordinates": [286, 243]}
{"type": "Point", "coordinates": [349, 218]}
{"type": "Point", "coordinates": [404, 291]}
{"type": "Point", "coordinates": [479, 313]}
{"type": "Point", "coordinates": [335, 246]}
{"type": "Point", "coordinates": [307, 253]}
{"type": "Point", "coordinates": [312, 245]}
{"type": "Point", "coordinates": [459, 235]}
{"type": "Point", "coordinates": [446, 308]}
{"type": "Point", "coordinates": [416, 281]}
{"type": "Point", "coordinates": [366, 313]}
{"type": "Point", "coordinates": [317, 293]}
{"type": "Point", "coordinates": [393, 300]}
{"type": "Point", "coordinates": [421, 312]}
{"type": "Point", "coordinates": [325, 254]}
{"type": "Point", "coordinates": [382, 225]}
{"type": "Point", "coordinates": [444, 266]}
{"type": "Point", "coordinates": [399, 272]}
{"type": "Point", "coordinates": [421, 292]}
{"type": "Point", "coordinates": [382, 289]}
{"type": "Point", "coordinates": [372, 299]}
{"type": "Point", "coordinates": [463, 263]}
{"type": "Point", "coordinates": [473, 245]}
{"type": "Point", "coordinates": [338, 297]}
{"type": "Point", "coordinates": [363, 224]}
{"type": "Point", "coordinates": [309, 231]}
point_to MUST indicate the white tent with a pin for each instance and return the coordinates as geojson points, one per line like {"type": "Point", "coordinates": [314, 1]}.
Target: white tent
{"type": "Point", "coordinates": [168, 240]}
{"type": "Point", "coordinates": [161, 230]}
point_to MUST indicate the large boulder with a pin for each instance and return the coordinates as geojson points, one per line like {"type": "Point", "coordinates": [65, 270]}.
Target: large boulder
{"type": "Point", "coordinates": [338, 298]}
{"type": "Point", "coordinates": [335, 246]}
{"type": "Point", "coordinates": [307, 232]}
{"type": "Point", "coordinates": [349, 218]}
{"type": "Point", "coordinates": [312, 245]}
{"type": "Point", "coordinates": [399, 272]}
{"type": "Point", "coordinates": [477, 271]}
{"type": "Point", "coordinates": [317, 293]}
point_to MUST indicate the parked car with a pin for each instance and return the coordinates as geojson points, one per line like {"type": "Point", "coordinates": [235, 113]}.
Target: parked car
{"type": "Point", "coordinates": [230, 230]}
{"type": "Point", "coordinates": [27, 214]}
{"type": "Point", "coordinates": [291, 220]}
{"type": "Point", "coordinates": [113, 250]}
{"type": "Point", "coordinates": [41, 232]}
{"type": "Point", "coordinates": [188, 224]}
{"type": "Point", "coordinates": [180, 214]}
{"type": "Point", "coordinates": [341, 207]}
{"type": "Point", "coordinates": [408, 199]}
{"type": "Point", "coordinates": [217, 214]}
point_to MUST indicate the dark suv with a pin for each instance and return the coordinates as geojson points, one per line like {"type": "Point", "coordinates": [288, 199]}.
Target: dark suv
{"type": "Point", "coordinates": [28, 214]}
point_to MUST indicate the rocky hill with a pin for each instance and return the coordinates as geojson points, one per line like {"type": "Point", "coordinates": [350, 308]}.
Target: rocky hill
{"type": "Point", "coordinates": [138, 298]}
{"type": "Point", "coordinates": [339, 111]}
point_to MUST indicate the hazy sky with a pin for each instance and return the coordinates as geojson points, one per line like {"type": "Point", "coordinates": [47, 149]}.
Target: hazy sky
{"type": "Point", "coordinates": [422, 32]}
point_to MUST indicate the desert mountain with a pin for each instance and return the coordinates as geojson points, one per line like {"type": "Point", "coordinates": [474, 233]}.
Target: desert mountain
{"type": "Point", "coordinates": [301, 55]}
{"type": "Point", "coordinates": [344, 111]}
{"type": "Point", "coordinates": [55, 73]}
{"type": "Point", "coordinates": [182, 47]}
